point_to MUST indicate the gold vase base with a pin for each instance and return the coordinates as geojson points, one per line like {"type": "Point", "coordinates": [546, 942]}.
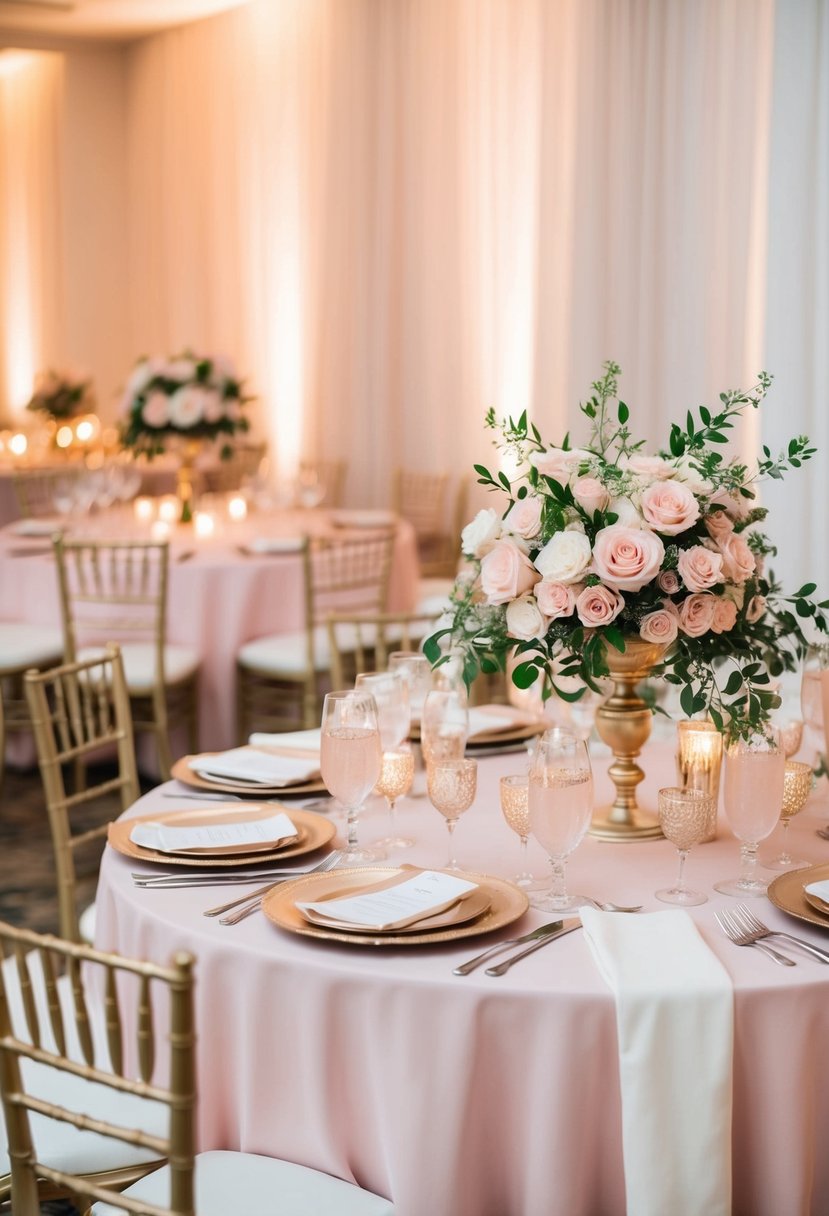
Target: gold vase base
{"type": "Point", "coordinates": [637, 825]}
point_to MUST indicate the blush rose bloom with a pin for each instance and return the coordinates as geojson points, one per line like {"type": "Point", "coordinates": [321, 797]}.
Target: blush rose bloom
{"type": "Point", "coordinates": [700, 568]}
{"type": "Point", "coordinates": [524, 517]}
{"type": "Point", "coordinates": [738, 562]}
{"type": "Point", "coordinates": [725, 616]}
{"type": "Point", "coordinates": [506, 573]}
{"type": "Point", "coordinates": [213, 406]}
{"type": "Point", "coordinates": [590, 494]}
{"type": "Point", "coordinates": [696, 614]}
{"type": "Point", "coordinates": [525, 619]}
{"type": "Point", "coordinates": [661, 625]}
{"type": "Point", "coordinates": [556, 599]}
{"type": "Point", "coordinates": [655, 468]}
{"type": "Point", "coordinates": [627, 558]}
{"type": "Point", "coordinates": [668, 581]}
{"type": "Point", "coordinates": [669, 507]}
{"type": "Point", "coordinates": [598, 605]}
{"type": "Point", "coordinates": [687, 472]}
{"type": "Point", "coordinates": [565, 557]}
{"type": "Point", "coordinates": [560, 464]}
{"type": "Point", "coordinates": [718, 525]}
{"type": "Point", "coordinates": [187, 406]}
{"type": "Point", "coordinates": [156, 410]}
{"type": "Point", "coordinates": [756, 608]}
{"type": "Point", "coordinates": [480, 535]}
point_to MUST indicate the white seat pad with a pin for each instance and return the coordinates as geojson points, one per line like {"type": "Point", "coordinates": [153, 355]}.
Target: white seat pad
{"type": "Point", "coordinates": [139, 664]}
{"type": "Point", "coordinates": [433, 596]}
{"type": "Point", "coordinates": [286, 653]}
{"type": "Point", "coordinates": [24, 645]}
{"type": "Point", "coordinates": [230, 1183]}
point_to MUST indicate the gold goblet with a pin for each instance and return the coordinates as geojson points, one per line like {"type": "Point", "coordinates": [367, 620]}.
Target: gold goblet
{"type": "Point", "coordinates": [396, 776]}
{"type": "Point", "coordinates": [798, 780]}
{"type": "Point", "coordinates": [514, 791]}
{"type": "Point", "coordinates": [452, 789]}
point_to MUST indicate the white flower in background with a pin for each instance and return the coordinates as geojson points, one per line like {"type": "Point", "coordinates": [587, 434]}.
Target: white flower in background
{"type": "Point", "coordinates": [179, 369]}
{"type": "Point", "coordinates": [564, 558]}
{"type": "Point", "coordinates": [628, 516]}
{"type": "Point", "coordinates": [525, 619]}
{"type": "Point", "coordinates": [687, 472]}
{"type": "Point", "coordinates": [187, 406]}
{"type": "Point", "coordinates": [214, 408]}
{"type": "Point", "coordinates": [480, 535]}
{"type": "Point", "coordinates": [140, 377]}
{"type": "Point", "coordinates": [156, 409]}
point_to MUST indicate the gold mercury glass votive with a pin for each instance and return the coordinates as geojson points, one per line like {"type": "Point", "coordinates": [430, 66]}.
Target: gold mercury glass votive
{"type": "Point", "coordinates": [698, 764]}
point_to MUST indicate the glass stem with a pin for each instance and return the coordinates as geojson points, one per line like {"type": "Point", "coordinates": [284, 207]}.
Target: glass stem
{"type": "Point", "coordinates": [784, 856]}
{"type": "Point", "coordinates": [559, 890]}
{"type": "Point", "coordinates": [748, 863]}
{"type": "Point", "coordinates": [683, 853]}
{"type": "Point", "coordinates": [451, 863]}
{"type": "Point", "coordinates": [351, 827]}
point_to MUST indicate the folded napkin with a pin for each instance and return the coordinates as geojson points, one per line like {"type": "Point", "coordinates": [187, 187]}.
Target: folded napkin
{"type": "Point", "coordinates": [493, 719]}
{"type": "Point", "coordinates": [214, 837]}
{"type": "Point", "coordinates": [255, 767]}
{"type": "Point", "coordinates": [820, 889]}
{"type": "Point", "coordinates": [297, 740]}
{"type": "Point", "coordinates": [675, 1025]}
{"type": "Point", "coordinates": [385, 906]}
{"type": "Point", "coordinates": [274, 544]}
{"type": "Point", "coordinates": [37, 527]}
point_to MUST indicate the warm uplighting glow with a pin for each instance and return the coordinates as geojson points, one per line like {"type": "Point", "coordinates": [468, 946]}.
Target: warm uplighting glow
{"type": "Point", "coordinates": [18, 444]}
{"type": "Point", "coordinates": [64, 437]}
{"type": "Point", "coordinates": [169, 509]}
{"type": "Point", "coordinates": [12, 62]}
{"type": "Point", "coordinates": [160, 530]}
{"type": "Point", "coordinates": [143, 509]}
{"type": "Point", "coordinates": [85, 430]}
{"type": "Point", "coordinates": [237, 509]}
{"type": "Point", "coordinates": [204, 524]}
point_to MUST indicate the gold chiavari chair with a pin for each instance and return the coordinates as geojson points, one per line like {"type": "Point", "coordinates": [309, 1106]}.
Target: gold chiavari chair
{"type": "Point", "coordinates": [230, 474]}
{"type": "Point", "coordinates": [329, 475]}
{"type": "Point", "coordinates": [421, 498]}
{"type": "Point", "coordinates": [279, 677]}
{"type": "Point", "coordinates": [22, 646]}
{"type": "Point", "coordinates": [76, 710]}
{"type": "Point", "coordinates": [35, 489]}
{"type": "Point", "coordinates": [117, 591]}
{"type": "Point", "coordinates": [213, 1183]}
{"type": "Point", "coordinates": [363, 643]}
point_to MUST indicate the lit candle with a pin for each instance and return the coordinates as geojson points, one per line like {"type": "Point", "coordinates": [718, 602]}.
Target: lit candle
{"type": "Point", "coordinates": [143, 509]}
{"type": "Point", "coordinates": [698, 762]}
{"type": "Point", "coordinates": [18, 444]}
{"type": "Point", "coordinates": [237, 509]}
{"type": "Point", "coordinates": [160, 529]}
{"type": "Point", "coordinates": [169, 508]}
{"type": "Point", "coordinates": [63, 437]}
{"type": "Point", "coordinates": [204, 524]}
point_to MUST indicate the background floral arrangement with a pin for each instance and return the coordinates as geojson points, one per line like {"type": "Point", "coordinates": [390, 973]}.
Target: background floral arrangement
{"type": "Point", "coordinates": [605, 543]}
{"type": "Point", "coordinates": [62, 394]}
{"type": "Point", "coordinates": [193, 396]}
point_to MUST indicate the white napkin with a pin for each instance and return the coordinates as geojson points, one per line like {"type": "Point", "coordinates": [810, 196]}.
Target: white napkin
{"type": "Point", "coordinates": [820, 889]}
{"type": "Point", "coordinates": [274, 544]}
{"type": "Point", "coordinates": [37, 527]}
{"type": "Point", "coordinates": [259, 768]}
{"type": "Point", "coordinates": [424, 894]}
{"type": "Point", "coordinates": [167, 838]}
{"type": "Point", "coordinates": [303, 740]}
{"type": "Point", "coordinates": [486, 719]}
{"type": "Point", "coordinates": [675, 1024]}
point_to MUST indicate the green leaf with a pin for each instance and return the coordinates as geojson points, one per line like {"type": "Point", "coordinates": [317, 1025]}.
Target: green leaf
{"type": "Point", "coordinates": [431, 646]}
{"type": "Point", "coordinates": [686, 700]}
{"type": "Point", "coordinates": [806, 589]}
{"type": "Point", "coordinates": [733, 684]}
{"type": "Point", "coordinates": [569, 696]}
{"type": "Point", "coordinates": [623, 413]}
{"type": "Point", "coordinates": [524, 675]}
{"type": "Point", "coordinates": [615, 637]}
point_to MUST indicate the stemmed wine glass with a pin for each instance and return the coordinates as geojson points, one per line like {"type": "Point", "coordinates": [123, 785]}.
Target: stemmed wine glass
{"type": "Point", "coordinates": [444, 726]}
{"type": "Point", "coordinates": [417, 672]}
{"type": "Point", "coordinates": [452, 786]}
{"type": "Point", "coordinates": [798, 780]}
{"type": "Point", "coordinates": [514, 791]}
{"type": "Point", "coordinates": [753, 793]}
{"type": "Point", "coordinates": [350, 760]}
{"type": "Point", "coordinates": [684, 815]}
{"type": "Point", "coordinates": [560, 804]}
{"type": "Point", "coordinates": [391, 694]}
{"type": "Point", "coordinates": [811, 694]}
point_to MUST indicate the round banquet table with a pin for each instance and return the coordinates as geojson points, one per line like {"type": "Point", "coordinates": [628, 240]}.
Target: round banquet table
{"type": "Point", "coordinates": [479, 1096]}
{"type": "Point", "coordinates": [218, 596]}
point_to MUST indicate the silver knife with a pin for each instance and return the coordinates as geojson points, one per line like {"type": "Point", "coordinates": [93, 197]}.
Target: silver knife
{"type": "Point", "coordinates": [567, 926]}
{"type": "Point", "coordinates": [542, 932]}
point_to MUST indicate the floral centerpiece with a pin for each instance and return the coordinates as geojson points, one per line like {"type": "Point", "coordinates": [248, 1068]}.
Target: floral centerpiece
{"type": "Point", "coordinates": [186, 397]}
{"type": "Point", "coordinates": [594, 550]}
{"type": "Point", "coordinates": [62, 395]}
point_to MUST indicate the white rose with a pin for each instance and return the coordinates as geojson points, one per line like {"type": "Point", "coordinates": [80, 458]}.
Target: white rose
{"type": "Point", "coordinates": [629, 517]}
{"type": "Point", "coordinates": [140, 377]}
{"type": "Point", "coordinates": [480, 535]}
{"type": "Point", "coordinates": [187, 406]}
{"type": "Point", "coordinates": [565, 557]}
{"type": "Point", "coordinates": [525, 619]}
{"type": "Point", "coordinates": [179, 369]}
{"type": "Point", "coordinates": [688, 473]}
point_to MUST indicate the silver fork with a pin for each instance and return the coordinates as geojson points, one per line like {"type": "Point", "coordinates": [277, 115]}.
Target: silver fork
{"type": "Point", "coordinates": [753, 924]}
{"type": "Point", "coordinates": [741, 937]}
{"type": "Point", "coordinates": [253, 902]}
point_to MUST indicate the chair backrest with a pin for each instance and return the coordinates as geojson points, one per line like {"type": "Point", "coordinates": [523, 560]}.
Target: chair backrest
{"type": "Point", "coordinates": [46, 1044]}
{"type": "Point", "coordinates": [329, 476]}
{"type": "Point", "coordinates": [244, 462]}
{"type": "Point", "coordinates": [363, 642]}
{"type": "Point", "coordinates": [422, 499]}
{"type": "Point", "coordinates": [75, 710]}
{"type": "Point", "coordinates": [35, 489]}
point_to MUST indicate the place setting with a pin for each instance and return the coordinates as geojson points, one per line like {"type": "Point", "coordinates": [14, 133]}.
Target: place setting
{"type": "Point", "coordinates": [253, 771]}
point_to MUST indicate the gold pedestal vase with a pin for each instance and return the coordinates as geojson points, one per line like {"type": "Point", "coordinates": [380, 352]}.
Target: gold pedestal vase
{"type": "Point", "coordinates": [624, 724]}
{"type": "Point", "coordinates": [184, 479]}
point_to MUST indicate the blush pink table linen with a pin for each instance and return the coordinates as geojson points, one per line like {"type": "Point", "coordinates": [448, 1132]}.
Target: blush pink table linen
{"type": "Point", "coordinates": [478, 1096]}
{"type": "Point", "coordinates": [218, 599]}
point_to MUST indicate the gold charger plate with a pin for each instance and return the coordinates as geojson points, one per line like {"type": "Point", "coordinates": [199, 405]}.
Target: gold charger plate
{"type": "Point", "coordinates": [517, 734]}
{"type": "Point", "coordinates": [506, 904]}
{"type": "Point", "coordinates": [182, 772]}
{"type": "Point", "coordinates": [313, 830]}
{"type": "Point", "coordinates": [786, 893]}
{"type": "Point", "coordinates": [460, 913]}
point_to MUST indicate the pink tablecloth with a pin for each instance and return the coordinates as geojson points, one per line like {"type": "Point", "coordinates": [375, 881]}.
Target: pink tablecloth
{"type": "Point", "coordinates": [478, 1096]}
{"type": "Point", "coordinates": [218, 598]}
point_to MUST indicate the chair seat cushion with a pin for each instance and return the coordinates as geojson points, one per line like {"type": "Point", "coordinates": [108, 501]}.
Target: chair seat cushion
{"type": "Point", "coordinates": [23, 646]}
{"type": "Point", "coordinates": [433, 596]}
{"type": "Point", "coordinates": [139, 664]}
{"type": "Point", "coordinates": [86, 924]}
{"type": "Point", "coordinates": [286, 653]}
{"type": "Point", "coordinates": [59, 1144]}
{"type": "Point", "coordinates": [258, 1186]}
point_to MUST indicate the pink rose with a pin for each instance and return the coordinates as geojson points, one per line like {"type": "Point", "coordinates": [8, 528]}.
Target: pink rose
{"type": "Point", "coordinates": [156, 409]}
{"type": "Point", "coordinates": [598, 605]}
{"type": "Point", "coordinates": [558, 463]}
{"type": "Point", "coordinates": [756, 608]}
{"type": "Point", "coordinates": [627, 558]}
{"type": "Point", "coordinates": [668, 581]}
{"type": "Point", "coordinates": [718, 525]}
{"type": "Point", "coordinates": [669, 507]}
{"type": "Point", "coordinates": [590, 494]}
{"type": "Point", "coordinates": [555, 599]}
{"type": "Point", "coordinates": [725, 616]}
{"type": "Point", "coordinates": [696, 614]}
{"type": "Point", "coordinates": [700, 568]}
{"type": "Point", "coordinates": [524, 517]}
{"type": "Point", "coordinates": [525, 619]}
{"type": "Point", "coordinates": [506, 572]}
{"type": "Point", "coordinates": [661, 626]}
{"type": "Point", "coordinates": [738, 562]}
{"type": "Point", "coordinates": [736, 506]}
{"type": "Point", "coordinates": [213, 406]}
{"type": "Point", "coordinates": [652, 467]}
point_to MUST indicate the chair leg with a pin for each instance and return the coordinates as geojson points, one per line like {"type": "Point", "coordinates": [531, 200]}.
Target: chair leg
{"type": "Point", "coordinates": [2, 737]}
